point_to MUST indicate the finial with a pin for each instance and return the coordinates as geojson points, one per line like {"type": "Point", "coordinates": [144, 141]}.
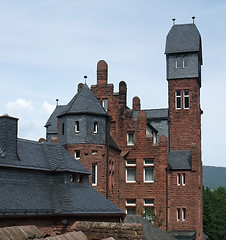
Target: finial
{"type": "Point", "coordinates": [193, 18]}
{"type": "Point", "coordinates": [173, 21]}
{"type": "Point", "coordinates": [85, 78]}
{"type": "Point", "coordinates": [57, 100]}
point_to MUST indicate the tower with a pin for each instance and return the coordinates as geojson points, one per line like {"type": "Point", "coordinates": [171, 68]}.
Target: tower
{"type": "Point", "coordinates": [184, 59]}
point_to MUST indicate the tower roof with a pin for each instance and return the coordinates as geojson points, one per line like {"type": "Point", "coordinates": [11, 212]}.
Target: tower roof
{"type": "Point", "coordinates": [183, 38]}
{"type": "Point", "coordinates": [84, 102]}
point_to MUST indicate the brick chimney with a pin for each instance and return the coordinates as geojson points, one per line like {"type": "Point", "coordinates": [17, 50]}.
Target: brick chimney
{"type": "Point", "coordinates": [8, 137]}
{"type": "Point", "coordinates": [102, 73]}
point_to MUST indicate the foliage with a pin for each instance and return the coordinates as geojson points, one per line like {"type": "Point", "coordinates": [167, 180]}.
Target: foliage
{"type": "Point", "coordinates": [148, 214]}
{"type": "Point", "coordinates": [214, 177]}
{"type": "Point", "coordinates": [214, 213]}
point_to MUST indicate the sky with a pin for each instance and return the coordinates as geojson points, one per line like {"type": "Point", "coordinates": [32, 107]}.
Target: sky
{"type": "Point", "coordinates": [47, 46]}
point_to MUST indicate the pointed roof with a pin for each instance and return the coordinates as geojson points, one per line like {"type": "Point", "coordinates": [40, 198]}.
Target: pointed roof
{"type": "Point", "coordinates": [84, 102]}
{"type": "Point", "coordinates": [183, 38]}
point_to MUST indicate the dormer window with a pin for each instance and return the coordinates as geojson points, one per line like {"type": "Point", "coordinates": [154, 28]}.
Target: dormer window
{"type": "Point", "coordinates": [95, 127]}
{"type": "Point", "coordinates": [77, 127]}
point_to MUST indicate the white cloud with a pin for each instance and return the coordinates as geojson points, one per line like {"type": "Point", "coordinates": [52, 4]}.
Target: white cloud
{"type": "Point", "coordinates": [48, 108]}
{"type": "Point", "coordinates": [19, 105]}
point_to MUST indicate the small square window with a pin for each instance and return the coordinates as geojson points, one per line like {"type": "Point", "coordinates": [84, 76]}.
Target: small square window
{"type": "Point", "coordinates": [131, 162]}
{"type": "Point", "coordinates": [149, 162]}
{"type": "Point", "coordinates": [130, 139]}
{"type": "Point", "coordinates": [149, 202]}
{"type": "Point", "coordinates": [131, 202]}
{"type": "Point", "coordinates": [77, 154]}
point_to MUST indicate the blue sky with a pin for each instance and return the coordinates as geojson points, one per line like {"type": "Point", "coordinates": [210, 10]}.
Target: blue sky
{"type": "Point", "coordinates": [47, 46]}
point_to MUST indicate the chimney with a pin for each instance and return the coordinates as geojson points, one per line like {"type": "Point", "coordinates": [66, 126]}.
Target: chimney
{"type": "Point", "coordinates": [102, 73]}
{"type": "Point", "coordinates": [136, 104]}
{"type": "Point", "coordinates": [8, 137]}
{"type": "Point", "coordinates": [122, 93]}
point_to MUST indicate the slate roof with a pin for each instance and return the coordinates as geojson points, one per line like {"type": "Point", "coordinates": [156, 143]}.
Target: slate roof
{"type": "Point", "coordinates": [84, 102]}
{"type": "Point", "coordinates": [152, 114]}
{"type": "Point", "coordinates": [19, 198]}
{"type": "Point", "coordinates": [43, 156]}
{"type": "Point", "coordinates": [150, 231]}
{"type": "Point", "coordinates": [183, 38]}
{"type": "Point", "coordinates": [179, 160]}
{"type": "Point", "coordinates": [52, 121]}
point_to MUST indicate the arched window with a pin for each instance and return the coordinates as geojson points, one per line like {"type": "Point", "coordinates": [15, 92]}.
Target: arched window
{"type": "Point", "coordinates": [185, 61]}
{"type": "Point", "coordinates": [95, 127]}
{"type": "Point", "coordinates": [77, 127]}
{"type": "Point", "coordinates": [178, 62]}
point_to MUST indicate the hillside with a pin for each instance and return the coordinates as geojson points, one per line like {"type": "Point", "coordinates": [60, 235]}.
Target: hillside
{"type": "Point", "coordinates": [214, 177]}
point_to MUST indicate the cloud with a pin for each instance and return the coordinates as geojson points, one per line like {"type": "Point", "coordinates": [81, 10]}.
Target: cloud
{"type": "Point", "coordinates": [19, 105]}
{"type": "Point", "coordinates": [48, 108]}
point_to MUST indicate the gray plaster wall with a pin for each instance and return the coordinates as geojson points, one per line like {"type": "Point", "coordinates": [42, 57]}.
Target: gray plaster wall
{"type": "Point", "coordinates": [86, 130]}
{"type": "Point", "coordinates": [190, 72]}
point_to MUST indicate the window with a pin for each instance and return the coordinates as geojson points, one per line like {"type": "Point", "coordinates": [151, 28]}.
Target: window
{"type": "Point", "coordinates": [94, 152]}
{"type": "Point", "coordinates": [183, 178]}
{"type": "Point", "coordinates": [149, 202]}
{"type": "Point", "coordinates": [131, 206]}
{"type": "Point", "coordinates": [178, 99]}
{"type": "Point", "coordinates": [149, 162]}
{"type": "Point", "coordinates": [183, 214]}
{"type": "Point", "coordinates": [76, 178]}
{"type": "Point", "coordinates": [77, 127]}
{"type": "Point", "coordinates": [151, 133]}
{"type": "Point", "coordinates": [149, 213]}
{"type": "Point", "coordinates": [148, 174]}
{"type": "Point", "coordinates": [94, 174]}
{"type": "Point", "coordinates": [105, 103]}
{"type": "Point", "coordinates": [62, 128]}
{"type": "Point", "coordinates": [178, 214]}
{"type": "Point", "coordinates": [186, 99]}
{"type": "Point", "coordinates": [131, 170]}
{"type": "Point", "coordinates": [95, 127]}
{"type": "Point", "coordinates": [130, 138]}
{"type": "Point", "coordinates": [185, 61]}
{"type": "Point", "coordinates": [178, 179]}
{"type": "Point", "coordinates": [178, 62]}
{"type": "Point", "coordinates": [77, 154]}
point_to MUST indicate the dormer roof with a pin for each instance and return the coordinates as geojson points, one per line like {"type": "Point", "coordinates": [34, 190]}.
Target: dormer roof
{"type": "Point", "coordinates": [183, 38]}
{"type": "Point", "coordinates": [84, 102]}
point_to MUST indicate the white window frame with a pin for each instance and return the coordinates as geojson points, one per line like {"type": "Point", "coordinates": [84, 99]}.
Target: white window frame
{"type": "Point", "coordinates": [149, 164]}
{"type": "Point", "coordinates": [183, 214]}
{"type": "Point", "coordinates": [94, 152]}
{"type": "Point", "coordinates": [95, 127]}
{"type": "Point", "coordinates": [183, 179]}
{"type": "Point", "coordinates": [179, 60]}
{"type": "Point", "coordinates": [149, 204]}
{"type": "Point", "coordinates": [95, 171]}
{"type": "Point", "coordinates": [186, 96]}
{"type": "Point", "coordinates": [131, 162]}
{"type": "Point", "coordinates": [131, 181]}
{"type": "Point", "coordinates": [185, 61]}
{"type": "Point", "coordinates": [178, 214]}
{"type": "Point", "coordinates": [178, 179]}
{"type": "Point", "coordinates": [149, 181]}
{"type": "Point", "coordinates": [76, 151]}
{"type": "Point", "coordinates": [132, 203]}
{"type": "Point", "coordinates": [76, 126]}
{"type": "Point", "coordinates": [178, 97]}
{"type": "Point", "coordinates": [128, 138]}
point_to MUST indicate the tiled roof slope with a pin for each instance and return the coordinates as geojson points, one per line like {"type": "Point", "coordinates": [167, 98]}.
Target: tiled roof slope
{"type": "Point", "coordinates": [84, 102]}
{"type": "Point", "coordinates": [18, 198]}
{"type": "Point", "coordinates": [43, 156]}
{"type": "Point", "coordinates": [179, 160]}
{"type": "Point", "coordinates": [150, 231]}
{"type": "Point", "coordinates": [183, 38]}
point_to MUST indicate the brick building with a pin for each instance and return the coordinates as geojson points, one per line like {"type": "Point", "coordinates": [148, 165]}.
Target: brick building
{"type": "Point", "coordinates": [144, 161]}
